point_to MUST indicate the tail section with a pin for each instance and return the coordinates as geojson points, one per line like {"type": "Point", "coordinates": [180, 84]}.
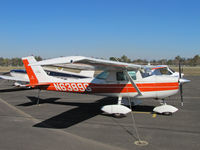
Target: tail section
{"type": "Point", "coordinates": [36, 74]}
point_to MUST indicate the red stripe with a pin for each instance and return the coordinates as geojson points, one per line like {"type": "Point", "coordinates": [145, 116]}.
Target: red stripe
{"type": "Point", "coordinates": [158, 68]}
{"type": "Point", "coordinates": [32, 77]}
{"type": "Point", "coordinates": [124, 88]}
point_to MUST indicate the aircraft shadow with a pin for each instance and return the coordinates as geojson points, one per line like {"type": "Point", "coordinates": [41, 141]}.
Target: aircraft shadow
{"type": "Point", "coordinates": [143, 108]}
{"type": "Point", "coordinates": [33, 101]}
{"type": "Point", "coordinates": [14, 89]}
{"type": "Point", "coordinates": [82, 112]}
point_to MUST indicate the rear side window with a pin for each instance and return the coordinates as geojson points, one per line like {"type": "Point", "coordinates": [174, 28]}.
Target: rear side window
{"type": "Point", "coordinates": [103, 75]}
{"type": "Point", "coordinates": [120, 76]}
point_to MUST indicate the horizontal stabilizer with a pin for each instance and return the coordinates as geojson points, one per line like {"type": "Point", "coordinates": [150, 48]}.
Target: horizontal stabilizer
{"type": "Point", "coordinates": [13, 78]}
{"type": "Point", "coordinates": [39, 84]}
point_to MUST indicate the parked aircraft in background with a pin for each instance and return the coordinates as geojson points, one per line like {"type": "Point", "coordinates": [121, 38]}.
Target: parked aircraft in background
{"type": "Point", "coordinates": [20, 75]}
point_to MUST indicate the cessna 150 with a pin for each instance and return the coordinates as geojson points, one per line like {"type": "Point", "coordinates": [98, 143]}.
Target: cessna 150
{"type": "Point", "coordinates": [21, 77]}
{"type": "Point", "coordinates": [122, 80]}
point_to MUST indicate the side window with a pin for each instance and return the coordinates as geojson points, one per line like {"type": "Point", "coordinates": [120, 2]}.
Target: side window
{"type": "Point", "coordinates": [120, 76]}
{"type": "Point", "coordinates": [165, 71]}
{"type": "Point", "coordinates": [103, 75]}
{"type": "Point", "coordinates": [132, 74]}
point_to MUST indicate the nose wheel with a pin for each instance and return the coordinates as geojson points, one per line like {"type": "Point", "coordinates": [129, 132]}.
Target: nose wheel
{"type": "Point", "coordinates": [117, 115]}
{"type": "Point", "coordinates": [165, 109]}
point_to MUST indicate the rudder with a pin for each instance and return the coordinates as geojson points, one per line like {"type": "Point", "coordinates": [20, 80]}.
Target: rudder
{"type": "Point", "coordinates": [36, 74]}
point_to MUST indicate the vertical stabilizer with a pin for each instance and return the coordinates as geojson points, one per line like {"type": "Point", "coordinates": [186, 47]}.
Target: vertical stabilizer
{"type": "Point", "coordinates": [36, 74]}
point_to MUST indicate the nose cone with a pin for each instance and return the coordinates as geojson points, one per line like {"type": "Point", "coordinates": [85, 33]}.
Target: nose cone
{"type": "Point", "coordinates": [183, 80]}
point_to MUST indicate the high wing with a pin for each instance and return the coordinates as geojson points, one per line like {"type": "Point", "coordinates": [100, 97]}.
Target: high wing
{"type": "Point", "coordinates": [98, 64]}
{"type": "Point", "coordinates": [14, 78]}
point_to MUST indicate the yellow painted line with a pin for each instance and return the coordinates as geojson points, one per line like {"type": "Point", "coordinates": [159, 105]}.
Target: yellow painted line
{"type": "Point", "coordinates": [141, 112]}
{"type": "Point", "coordinates": [154, 116]}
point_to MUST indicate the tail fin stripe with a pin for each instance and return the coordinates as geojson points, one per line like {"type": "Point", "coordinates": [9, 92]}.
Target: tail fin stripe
{"type": "Point", "coordinates": [32, 77]}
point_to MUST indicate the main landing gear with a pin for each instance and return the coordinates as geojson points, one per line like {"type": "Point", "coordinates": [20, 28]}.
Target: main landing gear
{"type": "Point", "coordinates": [117, 110]}
{"type": "Point", "coordinates": [165, 109]}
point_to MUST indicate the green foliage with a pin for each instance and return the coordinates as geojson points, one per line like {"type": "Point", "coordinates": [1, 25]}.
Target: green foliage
{"type": "Point", "coordinates": [195, 61]}
{"type": "Point", "coordinates": [14, 61]}
{"type": "Point", "coordinates": [188, 62]}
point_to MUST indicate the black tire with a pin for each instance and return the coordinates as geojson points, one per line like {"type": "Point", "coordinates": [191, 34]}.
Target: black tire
{"type": "Point", "coordinates": [118, 115]}
{"type": "Point", "coordinates": [167, 113]}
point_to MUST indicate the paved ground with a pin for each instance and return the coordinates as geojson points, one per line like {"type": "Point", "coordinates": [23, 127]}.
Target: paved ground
{"type": "Point", "coordinates": [69, 121]}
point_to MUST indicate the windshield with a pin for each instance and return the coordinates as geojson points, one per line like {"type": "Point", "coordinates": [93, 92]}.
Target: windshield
{"type": "Point", "coordinates": [171, 70]}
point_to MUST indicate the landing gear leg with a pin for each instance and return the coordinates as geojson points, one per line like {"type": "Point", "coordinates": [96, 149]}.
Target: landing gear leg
{"type": "Point", "coordinates": [119, 100]}
{"type": "Point", "coordinates": [167, 113]}
{"type": "Point", "coordinates": [117, 110]}
{"type": "Point", "coordinates": [118, 115]}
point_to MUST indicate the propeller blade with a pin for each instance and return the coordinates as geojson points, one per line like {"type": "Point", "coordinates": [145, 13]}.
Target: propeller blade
{"type": "Point", "coordinates": [180, 83]}
{"type": "Point", "coordinates": [181, 93]}
{"type": "Point", "coordinates": [179, 70]}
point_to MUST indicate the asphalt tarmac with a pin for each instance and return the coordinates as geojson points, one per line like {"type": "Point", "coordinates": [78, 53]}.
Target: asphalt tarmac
{"type": "Point", "coordinates": [74, 122]}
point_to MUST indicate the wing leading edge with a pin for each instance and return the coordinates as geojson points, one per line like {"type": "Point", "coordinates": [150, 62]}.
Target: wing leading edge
{"type": "Point", "coordinates": [98, 64]}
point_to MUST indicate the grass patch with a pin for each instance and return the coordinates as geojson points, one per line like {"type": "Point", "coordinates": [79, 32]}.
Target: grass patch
{"type": "Point", "coordinates": [7, 69]}
{"type": "Point", "coordinates": [189, 71]}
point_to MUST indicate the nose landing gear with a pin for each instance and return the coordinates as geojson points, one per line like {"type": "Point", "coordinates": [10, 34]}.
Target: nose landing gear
{"type": "Point", "coordinates": [165, 109]}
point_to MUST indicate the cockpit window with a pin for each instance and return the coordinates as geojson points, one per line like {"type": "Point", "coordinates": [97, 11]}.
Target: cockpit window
{"type": "Point", "coordinates": [132, 74]}
{"type": "Point", "coordinates": [165, 71]}
{"type": "Point", "coordinates": [172, 70]}
{"type": "Point", "coordinates": [103, 75]}
{"type": "Point", "coordinates": [121, 76]}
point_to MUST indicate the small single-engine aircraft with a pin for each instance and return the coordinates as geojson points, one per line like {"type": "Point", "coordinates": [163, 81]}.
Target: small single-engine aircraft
{"type": "Point", "coordinates": [122, 80]}
{"type": "Point", "coordinates": [21, 77]}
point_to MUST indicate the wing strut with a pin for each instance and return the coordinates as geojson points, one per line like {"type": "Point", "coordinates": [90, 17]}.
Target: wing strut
{"type": "Point", "coordinates": [132, 82]}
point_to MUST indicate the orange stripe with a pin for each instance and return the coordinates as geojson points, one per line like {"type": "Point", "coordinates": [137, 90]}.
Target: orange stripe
{"type": "Point", "coordinates": [124, 88]}
{"type": "Point", "coordinates": [32, 77]}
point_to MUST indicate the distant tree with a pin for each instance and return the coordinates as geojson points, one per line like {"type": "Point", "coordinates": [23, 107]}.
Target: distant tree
{"type": "Point", "coordinates": [112, 58]}
{"type": "Point", "coordinates": [124, 58]}
{"type": "Point", "coordinates": [7, 62]}
{"type": "Point", "coordinates": [38, 58]}
{"type": "Point", "coordinates": [170, 62]}
{"type": "Point", "coordinates": [1, 61]}
{"type": "Point", "coordinates": [195, 61]}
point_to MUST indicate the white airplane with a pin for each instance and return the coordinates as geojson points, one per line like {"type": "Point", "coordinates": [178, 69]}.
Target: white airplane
{"type": "Point", "coordinates": [20, 75]}
{"type": "Point", "coordinates": [122, 80]}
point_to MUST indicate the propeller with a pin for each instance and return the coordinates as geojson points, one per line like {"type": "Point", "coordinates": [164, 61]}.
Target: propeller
{"type": "Point", "coordinates": [180, 84]}
{"type": "Point", "coordinates": [181, 81]}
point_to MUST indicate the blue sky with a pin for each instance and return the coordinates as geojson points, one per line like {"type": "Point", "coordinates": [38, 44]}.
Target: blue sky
{"type": "Point", "coordinates": [146, 29]}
